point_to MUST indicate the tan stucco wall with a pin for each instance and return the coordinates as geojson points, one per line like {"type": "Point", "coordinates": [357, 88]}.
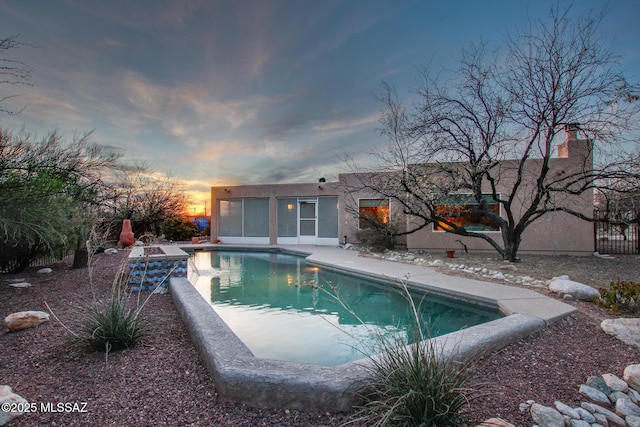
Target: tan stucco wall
{"type": "Point", "coordinates": [272, 192]}
{"type": "Point", "coordinates": [553, 233]}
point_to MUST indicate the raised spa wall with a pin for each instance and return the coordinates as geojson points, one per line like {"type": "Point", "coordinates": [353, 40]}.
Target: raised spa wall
{"type": "Point", "coordinates": [153, 271]}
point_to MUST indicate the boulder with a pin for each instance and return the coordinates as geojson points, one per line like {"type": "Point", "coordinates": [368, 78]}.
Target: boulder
{"type": "Point", "coordinates": [626, 330]}
{"type": "Point", "coordinates": [594, 395]}
{"type": "Point", "coordinates": [25, 319]}
{"type": "Point", "coordinates": [546, 416]}
{"type": "Point", "coordinates": [8, 396]}
{"type": "Point", "coordinates": [577, 290]}
{"type": "Point", "coordinates": [615, 383]}
{"type": "Point", "coordinates": [625, 407]}
{"type": "Point", "coordinates": [632, 376]}
{"type": "Point", "coordinates": [45, 270]}
{"type": "Point", "coordinates": [111, 251]}
{"type": "Point", "coordinates": [632, 421]}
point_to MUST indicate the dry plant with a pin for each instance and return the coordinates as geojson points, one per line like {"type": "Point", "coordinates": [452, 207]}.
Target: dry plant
{"type": "Point", "coordinates": [112, 322]}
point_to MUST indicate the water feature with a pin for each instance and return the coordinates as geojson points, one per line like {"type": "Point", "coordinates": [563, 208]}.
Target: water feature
{"type": "Point", "coordinates": [283, 308]}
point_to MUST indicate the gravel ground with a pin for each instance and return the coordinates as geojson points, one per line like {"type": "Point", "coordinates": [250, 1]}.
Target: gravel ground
{"type": "Point", "coordinates": [164, 383]}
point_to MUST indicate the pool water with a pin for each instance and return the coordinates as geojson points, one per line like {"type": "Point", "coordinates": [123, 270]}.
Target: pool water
{"type": "Point", "coordinates": [283, 308]}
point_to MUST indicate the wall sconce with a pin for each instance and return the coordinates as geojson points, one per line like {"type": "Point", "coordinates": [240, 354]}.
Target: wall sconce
{"type": "Point", "coordinates": [227, 190]}
{"type": "Point", "coordinates": [320, 187]}
{"type": "Point", "coordinates": [290, 206]}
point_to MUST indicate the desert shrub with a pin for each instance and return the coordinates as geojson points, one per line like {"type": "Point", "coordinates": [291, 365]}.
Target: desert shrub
{"type": "Point", "coordinates": [417, 384]}
{"type": "Point", "coordinates": [378, 237]}
{"type": "Point", "coordinates": [178, 229]}
{"type": "Point", "coordinates": [111, 324]}
{"type": "Point", "coordinates": [620, 297]}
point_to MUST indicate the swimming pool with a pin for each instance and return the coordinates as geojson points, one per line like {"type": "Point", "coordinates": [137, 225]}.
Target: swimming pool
{"type": "Point", "coordinates": [283, 308]}
{"type": "Point", "coordinates": [240, 376]}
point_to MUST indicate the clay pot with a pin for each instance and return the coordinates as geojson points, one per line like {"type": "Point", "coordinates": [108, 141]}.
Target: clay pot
{"type": "Point", "coordinates": [450, 253]}
{"type": "Point", "coordinates": [126, 235]}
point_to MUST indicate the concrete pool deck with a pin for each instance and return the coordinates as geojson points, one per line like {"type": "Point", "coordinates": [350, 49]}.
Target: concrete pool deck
{"type": "Point", "coordinates": [240, 376]}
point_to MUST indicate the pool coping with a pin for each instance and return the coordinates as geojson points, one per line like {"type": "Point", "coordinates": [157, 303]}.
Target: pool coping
{"type": "Point", "coordinates": [240, 376]}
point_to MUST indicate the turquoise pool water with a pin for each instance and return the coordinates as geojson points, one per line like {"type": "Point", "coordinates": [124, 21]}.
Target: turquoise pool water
{"type": "Point", "coordinates": [285, 309]}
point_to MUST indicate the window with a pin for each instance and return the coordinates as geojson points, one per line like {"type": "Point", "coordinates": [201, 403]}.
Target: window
{"type": "Point", "coordinates": [373, 211]}
{"type": "Point", "coordinates": [230, 217]}
{"type": "Point", "coordinates": [328, 217]}
{"type": "Point", "coordinates": [462, 210]}
{"type": "Point", "coordinates": [256, 217]}
{"type": "Point", "coordinates": [287, 217]}
{"type": "Point", "coordinates": [243, 218]}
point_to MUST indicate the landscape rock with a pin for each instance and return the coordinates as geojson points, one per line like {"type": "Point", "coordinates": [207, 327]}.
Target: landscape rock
{"type": "Point", "coordinates": [45, 270]}
{"type": "Point", "coordinates": [599, 384]}
{"type": "Point", "coordinates": [632, 376]}
{"type": "Point", "coordinates": [20, 284]}
{"type": "Point", "coordinates": [615, 383]}
{"type": "Point", "coordinates": [601, 420]}
{"type": "Point", "coordinates": [577, 290]}
{"type": "Point", "coordinates": [566, 410]}
{"type": "Point", "coordinates": [594, 396]}
{"type": "Point", "coordinates": [585, 415]}
{"type": "Point", "coordinates": [545, 416]}
{"type": "Point", "coordinates": [495, 422]}
{"type": "Point", "coordinates": [626, 330]}
{"type": "Point", "coordinates": [613, 419]}
{"type": "Point", "coordinates": [8, 396]}
{"type": "Point", "coordinates": [632, 421]}
{"type": "Point", "coordinates": [25, 319]}
{"type": "Point", "coordinates": [111, 251]}
{"type": "Point", "coordinates": [625, 407]}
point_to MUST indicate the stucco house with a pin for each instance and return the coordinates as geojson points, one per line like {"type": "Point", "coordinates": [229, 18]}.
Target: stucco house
{"type": "Point", "coordinates": [327, 213]}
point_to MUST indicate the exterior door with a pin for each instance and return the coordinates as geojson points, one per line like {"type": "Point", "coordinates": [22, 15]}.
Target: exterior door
{"type": "Point", "coordinates": [307, 224]}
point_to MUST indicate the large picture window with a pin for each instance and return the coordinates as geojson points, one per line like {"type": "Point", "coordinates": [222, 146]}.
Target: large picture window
{"type": "Point", "coordinates": [230, 217]}
{"type": "Point", "coordinates": [462, 210]}
{"type": "Point", "coordinates": [243, 218]}
{"type": "Point", "coordinates": [373, 211]}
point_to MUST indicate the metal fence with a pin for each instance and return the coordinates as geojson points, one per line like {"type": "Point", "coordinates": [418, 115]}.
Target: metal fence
{"type": "Point", "coordinates": [617, 238]}
{"type": "Point", "coordinates": [40, 261]}
{"type": "Point", "coordinates": [50, 259]}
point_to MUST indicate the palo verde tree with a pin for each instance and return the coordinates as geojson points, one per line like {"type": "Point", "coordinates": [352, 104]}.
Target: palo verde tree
{"type": "Point", "coordinates": [485, 136]}
{"type": "Point", "coordinates": [49, 193]}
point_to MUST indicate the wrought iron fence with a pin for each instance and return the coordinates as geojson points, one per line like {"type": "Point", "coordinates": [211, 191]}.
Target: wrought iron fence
{"type": "Point", "coordinates": [40, 261]}
{"type": "Point", "coordinates": [623, 237]}
{"type": "Point", "coordinates": [51, 259]}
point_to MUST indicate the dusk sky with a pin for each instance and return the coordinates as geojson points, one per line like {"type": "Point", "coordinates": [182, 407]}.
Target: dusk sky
{"type": "Point", "coordinates": [247, 92]}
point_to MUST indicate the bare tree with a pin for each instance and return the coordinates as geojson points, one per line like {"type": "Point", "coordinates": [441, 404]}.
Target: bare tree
{"type": "Point", "coordinates": [12, 72]}
{"type": "Point", "coordinates": [486, 137]}
{"type": "Point", "coordinates": [146, 197]}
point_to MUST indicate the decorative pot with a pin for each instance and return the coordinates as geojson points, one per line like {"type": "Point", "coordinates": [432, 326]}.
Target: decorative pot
{"type": "Point", "coordinates": [126, 235]}
{"type": "Point", "coordinates": [450, 253]}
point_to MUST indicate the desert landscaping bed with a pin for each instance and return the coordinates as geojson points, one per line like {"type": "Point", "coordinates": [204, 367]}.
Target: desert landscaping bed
{"type": "Point", "coordinates": [163, 382]}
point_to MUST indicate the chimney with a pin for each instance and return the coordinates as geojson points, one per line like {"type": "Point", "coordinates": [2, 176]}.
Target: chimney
{"type": "Point", "coordinates": [572, 130]}
{"type": "Point", "coordinates": [572, 135]}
